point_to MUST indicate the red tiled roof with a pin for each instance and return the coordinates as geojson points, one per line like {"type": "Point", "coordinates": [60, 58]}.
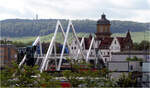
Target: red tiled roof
{"type": "Point", "coordinates": [87, 41]}
{"type": "Point", "coordinates": [121, 41]}
{"type": "Point", "coordinates": [105, 43]}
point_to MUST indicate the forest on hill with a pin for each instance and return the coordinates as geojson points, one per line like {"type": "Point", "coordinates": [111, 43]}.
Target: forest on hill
{"type": "Point", "coordinates": [26, 27]}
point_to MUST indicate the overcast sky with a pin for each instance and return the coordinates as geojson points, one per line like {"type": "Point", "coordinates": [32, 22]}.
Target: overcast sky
{"type": "Point", "coordinates": [133, 10]}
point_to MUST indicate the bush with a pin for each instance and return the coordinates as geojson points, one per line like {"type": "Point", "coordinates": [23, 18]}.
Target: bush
{"type": "Point", "coordinates": [26, 77]}
{"type": "Point", "coordinates": [134, 59]}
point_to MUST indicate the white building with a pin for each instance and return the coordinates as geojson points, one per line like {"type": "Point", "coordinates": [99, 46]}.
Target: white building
{"type": "Point", "coordinates": [104, 44]}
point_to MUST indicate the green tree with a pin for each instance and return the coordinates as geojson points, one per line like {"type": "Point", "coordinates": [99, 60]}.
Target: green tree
{"type": "Point", "coordinates": [134, 59]}
{"type": "Point", "coordinates": [73, 77]}
{"type": "Point", "coordinates": [126, 81]}
{"type": "Point", "coordinates": [46, 80]}
{"type": "Point", "coordinates": [83, 74]}
{"type": "Point", "coordinates": [143, 45]}
{"type": "Point", "coordinates": [7, 75]}
{"type": "Point", "coordinates": [26, 77]}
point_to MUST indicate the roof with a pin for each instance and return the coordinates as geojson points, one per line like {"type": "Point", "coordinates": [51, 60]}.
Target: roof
{"type": "Point", "coordinates": [103, 20]}
{"type": "Point", "coordinates": [87, 41]}
{"type": "Point", "coordinates": [124, 40]}
{"type": "Point", "coordinates": [121, 41]}
{"type": "Point", "coordinates": [105, 43]}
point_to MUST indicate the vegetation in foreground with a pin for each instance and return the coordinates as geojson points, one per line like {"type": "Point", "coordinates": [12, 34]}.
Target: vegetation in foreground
{"type": "Point", "coordinates": [78, 77]}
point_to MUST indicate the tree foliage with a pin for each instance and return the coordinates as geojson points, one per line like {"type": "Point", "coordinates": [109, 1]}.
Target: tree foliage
{"type": "Point", "coordinates": [26, 77]}
{"type": "Point", "coordinates": [143, 45]}
{"type": "Point", "coordinates": [85, 76]}
{"type": "Point", "coordinates": [25, 27]}
{"type": "Point", "coordinates": [126, 81]}
{"type": "Point", "coordinates": [134, 59]}
{"type": "Point", "coordinates": [81, 75]}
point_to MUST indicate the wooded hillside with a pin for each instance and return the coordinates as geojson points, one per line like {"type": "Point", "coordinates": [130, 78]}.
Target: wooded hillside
{"type": "Point", "coordinates": [26, 27]}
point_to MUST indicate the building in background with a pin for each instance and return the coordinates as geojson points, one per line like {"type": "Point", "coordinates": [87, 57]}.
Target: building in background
{"type": "Point", "coordinates": [118, 68]}
{"type": "Point", "coordinates": [8, 53]}
{"type": "Point", "coordinates": [146, 74]}
{"type": "Point", "coordinates": [104, 43]}
{"type": "Point", "coordinates": [122, 56]}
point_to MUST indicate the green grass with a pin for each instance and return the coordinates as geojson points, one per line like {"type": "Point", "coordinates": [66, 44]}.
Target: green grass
{"type": "Point", "coordinates": [136, 37]}
{"type": "Point", "coordinates": [47, 38]}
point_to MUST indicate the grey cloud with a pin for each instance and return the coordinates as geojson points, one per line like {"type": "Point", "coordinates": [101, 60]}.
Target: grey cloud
{"type": "Point", "coordinates": [82, 8]}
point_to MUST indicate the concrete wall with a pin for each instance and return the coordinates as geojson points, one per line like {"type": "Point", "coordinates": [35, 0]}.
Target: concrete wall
{"type": "Point", "coordinates": [120, 67]}
{"type": "Point", "coordinates": [146, 74]}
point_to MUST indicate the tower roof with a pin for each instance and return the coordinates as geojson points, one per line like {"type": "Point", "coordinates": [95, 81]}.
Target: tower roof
{"type": "Point", "coordinates": [128, 34]}
{"type": "Point", "coordinates": [103, 20]}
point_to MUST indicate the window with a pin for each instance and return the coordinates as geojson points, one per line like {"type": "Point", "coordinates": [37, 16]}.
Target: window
{"type": "Point", "coordinates": [111, 47]}
{"type": "Point", "coordinates": [1, 56]}
{"type": "Point", "coordinates": [1, 51]}
{"type": "Point", "coordinates": [115, 42]}
{"type": "Point", "coordinates": [108, 53]}
{"type": "Point", "coordinates": [131, 67]}
{"type": "Point", "coordinates": [141, 64]}
{"type": "Point", "coordinates": [75, 42]}
{"type": "Point", "coordinates": [105, 59]}
{"type": "Point", "coordinates": [91, 53]}
{"type": "Point", "coordinates": [117, 47]}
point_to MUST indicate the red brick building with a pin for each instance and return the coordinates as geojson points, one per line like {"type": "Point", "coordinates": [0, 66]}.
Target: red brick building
{"type": "Point", "coordinates": [8, 53]}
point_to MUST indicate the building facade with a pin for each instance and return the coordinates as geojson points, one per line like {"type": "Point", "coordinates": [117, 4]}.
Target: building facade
{"type": "Point", "coordinates": [122, 56]}
{"type": "Point", "coordinates": [104, 43]}
{"type": "Point", "coordinates": [8, 53]}
{"type": "Point", "coordinates": [146, 74]}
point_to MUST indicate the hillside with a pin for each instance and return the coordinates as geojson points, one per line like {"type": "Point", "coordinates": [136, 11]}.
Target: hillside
{"type": "Point", "coordinates": [25, 27]}
{"type": "Point", "coordinates": [136, 37]}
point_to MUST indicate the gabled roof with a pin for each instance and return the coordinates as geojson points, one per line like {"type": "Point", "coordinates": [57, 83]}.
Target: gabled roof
{"type": "Point", "coordinates": [87, 41]}
{"type": "Point", "coordinates": [121, 41]}
{"type": "Point", "coordinates": [105, 43]}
